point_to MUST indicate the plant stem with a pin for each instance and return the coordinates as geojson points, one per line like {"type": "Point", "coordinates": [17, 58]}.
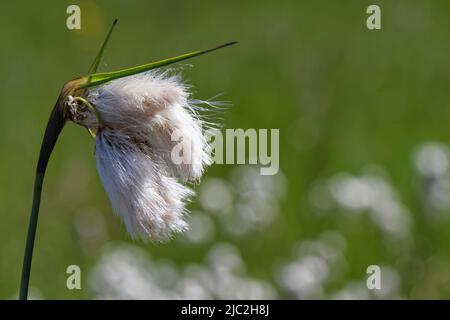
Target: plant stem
{"type": "Point", "coordinates": [54, 126]}
{"type": "Point", "coordinates": [28, 256]}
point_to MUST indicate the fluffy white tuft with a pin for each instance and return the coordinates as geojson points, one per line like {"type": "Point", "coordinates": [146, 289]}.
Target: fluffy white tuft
{"type": "Point", "coordinates": [150, 202]}
{"type": "Point", "coordinates": [154, 108]}
{"type": "Point", "coordinates": [140, 116]}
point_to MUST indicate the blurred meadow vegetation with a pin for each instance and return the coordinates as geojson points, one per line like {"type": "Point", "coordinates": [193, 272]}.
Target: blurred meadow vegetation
{"type": "Point", "coordinates": [364, 135]}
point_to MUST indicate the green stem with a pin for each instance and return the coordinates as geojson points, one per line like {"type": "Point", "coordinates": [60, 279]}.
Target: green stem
{"type": "Point", "coordinates": [54, 126]}
{"type": "Point", "coordinates": [31, 236]}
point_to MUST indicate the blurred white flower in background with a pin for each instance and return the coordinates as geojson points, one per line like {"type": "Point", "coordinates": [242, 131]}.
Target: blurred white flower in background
{"type": "Point", "coordinates": [357, 289]}
{"type": "Point", "coordinates": [315, 264]}
{"type": "Point", "coordinates": [248, 203]}
{"type": "Point", "coordinates": [354, 290]}
{"type": "Point", "coordinates": [128, 272]}
{"type": "Point", "coordinates": [431, 160]}
{"type": "Point", "coordinates": [390, 284]}
{"type": "Point", "coordinates": [216, 195]}
{"type": "Point", "coordinates": [201, 228]}
{"type": "Point", "coordinates": [368, 193]}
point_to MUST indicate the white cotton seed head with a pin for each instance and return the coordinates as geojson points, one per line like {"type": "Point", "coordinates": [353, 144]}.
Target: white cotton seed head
{"type": "Point", "coordinates": [154, 108]}
{"type": "Point", "coordinates": [144, 120]}
{"type": "Point", "coordinates": [150, 203]}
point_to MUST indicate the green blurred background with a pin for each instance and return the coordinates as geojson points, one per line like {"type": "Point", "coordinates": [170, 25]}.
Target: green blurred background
{"type": "Point", "coordinates": [363, 118]}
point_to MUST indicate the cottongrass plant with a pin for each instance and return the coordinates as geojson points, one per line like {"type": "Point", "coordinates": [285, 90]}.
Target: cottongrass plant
{"type": "Point", "coordinates": [138, 117]}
